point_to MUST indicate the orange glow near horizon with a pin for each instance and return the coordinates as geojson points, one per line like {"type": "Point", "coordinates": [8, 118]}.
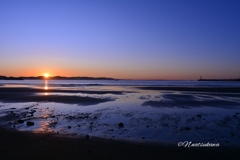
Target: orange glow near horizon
{"type": "Point", "coordinates": [111, 72]}
{"type": "Point", "coordinates": [165, 74]}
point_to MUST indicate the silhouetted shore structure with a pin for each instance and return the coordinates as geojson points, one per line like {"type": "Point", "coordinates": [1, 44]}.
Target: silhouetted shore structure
{"type": "Point", "coordinates": [55, 78]}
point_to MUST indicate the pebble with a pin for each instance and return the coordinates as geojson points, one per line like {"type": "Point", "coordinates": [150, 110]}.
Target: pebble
{"type": "Point", "coordinates": [187, 128]}
{"type": "Point", "coordinates": [121, 124]}
{"type": "Point", "coordinates": [30, 123]}
{"type": "Point", "coordinates": [20, 121]}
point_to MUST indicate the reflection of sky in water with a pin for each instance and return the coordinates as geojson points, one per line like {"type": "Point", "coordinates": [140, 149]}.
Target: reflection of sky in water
{"type": "Point", "coordinates": [200, 123]}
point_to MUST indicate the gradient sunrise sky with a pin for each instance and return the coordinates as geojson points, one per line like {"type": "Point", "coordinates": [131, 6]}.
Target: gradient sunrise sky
{"type": "Point", "coordinates": [126, 39]}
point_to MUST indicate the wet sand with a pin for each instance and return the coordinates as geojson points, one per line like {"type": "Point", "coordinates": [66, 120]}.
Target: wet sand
{"type": "Point", "coordinates": [26, 145]}
{"type": "Point", "coordinates": [58, 99]}
{"type": "Point", "coordinates": [194, 89]}
{"type": "Point", "coordinates": [40, 90]}
{"type": "Point", "coordinates": [21, 94]}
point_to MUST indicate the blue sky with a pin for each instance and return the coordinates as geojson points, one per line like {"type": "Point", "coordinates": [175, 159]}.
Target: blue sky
{"type": "Point", "coordinates": [133, 39]}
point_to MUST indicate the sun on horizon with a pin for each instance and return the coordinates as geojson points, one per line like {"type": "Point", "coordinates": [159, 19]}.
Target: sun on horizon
{"type": "Point", "coordinates": [46, 75]}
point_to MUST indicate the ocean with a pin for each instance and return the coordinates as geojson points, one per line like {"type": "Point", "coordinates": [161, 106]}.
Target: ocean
{"type": "Point", "coordinates": [72, 83]}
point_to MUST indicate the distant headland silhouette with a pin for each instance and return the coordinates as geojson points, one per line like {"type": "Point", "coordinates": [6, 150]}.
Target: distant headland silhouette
{"type": "Point", "coordinates": [54, 78]}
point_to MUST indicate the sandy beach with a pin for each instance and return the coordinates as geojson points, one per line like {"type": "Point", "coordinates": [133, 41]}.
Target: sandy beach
{"type": "Point", "coordinates": [97, 122]}
{"type": "Point", "coordinates": [26, 145]}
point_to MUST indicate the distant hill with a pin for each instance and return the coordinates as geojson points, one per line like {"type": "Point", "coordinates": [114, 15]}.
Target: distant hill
{"type": "Point", "coordinates": [10, 78]}
{"type": "Point", "coordinates": [55, 78]}
{"type": "Point", "coordinates": [81, 78]}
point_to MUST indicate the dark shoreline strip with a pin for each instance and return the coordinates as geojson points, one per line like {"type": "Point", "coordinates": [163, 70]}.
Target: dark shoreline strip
{"type": "Point", "coordinates": [26, 145]}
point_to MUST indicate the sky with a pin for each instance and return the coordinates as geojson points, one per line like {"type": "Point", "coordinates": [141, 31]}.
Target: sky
{"type": "Point", "coordinates": [124, 39]}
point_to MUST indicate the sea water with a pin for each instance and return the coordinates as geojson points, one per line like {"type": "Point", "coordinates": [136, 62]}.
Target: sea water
{"type": "Point", "coordinates": [73, 83]}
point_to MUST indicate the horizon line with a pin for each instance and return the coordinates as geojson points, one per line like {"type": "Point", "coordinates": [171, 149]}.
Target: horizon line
{"type": "Point", "coordinates": [146, 79]}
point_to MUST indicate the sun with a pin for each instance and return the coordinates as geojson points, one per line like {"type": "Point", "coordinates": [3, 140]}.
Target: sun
{"type": "Point", "coordinates": [46, 75]}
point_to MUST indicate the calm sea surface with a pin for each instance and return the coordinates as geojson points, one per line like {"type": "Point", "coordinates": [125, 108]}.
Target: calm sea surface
{"type": "Point", "coordinates": [73, 83]}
